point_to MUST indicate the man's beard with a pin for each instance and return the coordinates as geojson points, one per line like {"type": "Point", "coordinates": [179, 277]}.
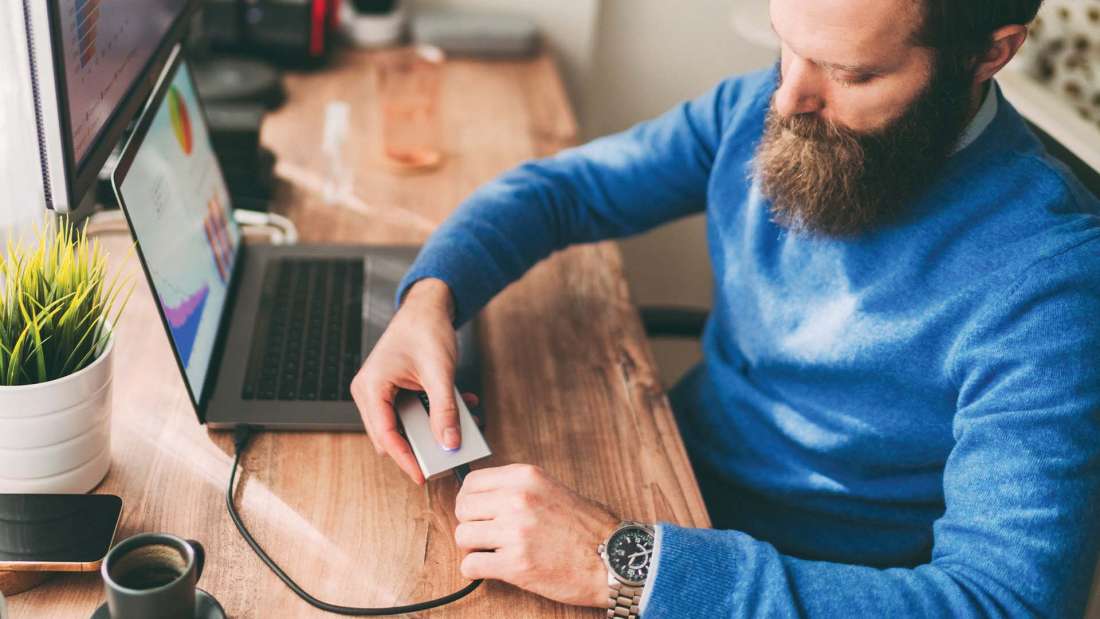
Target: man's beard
{"type": "Point", "coordinates": [825, 179]}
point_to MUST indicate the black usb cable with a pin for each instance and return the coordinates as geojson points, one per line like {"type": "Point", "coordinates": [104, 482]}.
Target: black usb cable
{"type": "Point", "coordinates": [241, 438]}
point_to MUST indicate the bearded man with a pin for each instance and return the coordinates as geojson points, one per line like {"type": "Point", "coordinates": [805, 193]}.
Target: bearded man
{"type": "Point", "coordinates": [898, 411]}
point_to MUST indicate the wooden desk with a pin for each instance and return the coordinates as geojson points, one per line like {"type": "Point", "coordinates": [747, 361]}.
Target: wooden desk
{"type": "Point", "coordinates": [570, 384]}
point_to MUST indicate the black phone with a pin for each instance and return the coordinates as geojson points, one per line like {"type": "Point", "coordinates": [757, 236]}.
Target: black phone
{"type": "Point", "coordinates": [56, 532]}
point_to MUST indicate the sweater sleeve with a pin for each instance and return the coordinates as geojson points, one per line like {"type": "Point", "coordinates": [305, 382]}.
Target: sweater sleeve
{"type": "Point", "coordinates": [1019, 534]}
{"type": "Point", "coordinates": [612, 187]}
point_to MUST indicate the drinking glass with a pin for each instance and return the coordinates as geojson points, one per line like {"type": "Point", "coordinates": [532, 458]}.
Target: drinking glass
{"type": "Point", "coordinates": [407, 83]}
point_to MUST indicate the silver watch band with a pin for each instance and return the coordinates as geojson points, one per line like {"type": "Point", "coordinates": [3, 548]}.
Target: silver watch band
{"type": "Point", "coordinates": [623, 600]}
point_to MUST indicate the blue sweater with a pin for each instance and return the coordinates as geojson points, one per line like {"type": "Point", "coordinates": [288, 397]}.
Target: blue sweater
{"type": "Point", "coordinates": [910, 418]}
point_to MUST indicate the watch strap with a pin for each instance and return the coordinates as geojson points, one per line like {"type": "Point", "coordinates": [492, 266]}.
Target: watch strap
{"type": "Point", "coordinates": [623, 600]}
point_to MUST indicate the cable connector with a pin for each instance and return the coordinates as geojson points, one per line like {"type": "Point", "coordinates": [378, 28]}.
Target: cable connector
{"type": "Point", "coordinates": [461, 472]}
{"type": "Point", "coordinates": [242, 434]}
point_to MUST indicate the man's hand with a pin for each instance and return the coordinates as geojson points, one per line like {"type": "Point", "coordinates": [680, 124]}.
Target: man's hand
{"type": "Point", "coordinates": [523, 527]}
{"type": "Point", "coordinates": [417, 352]}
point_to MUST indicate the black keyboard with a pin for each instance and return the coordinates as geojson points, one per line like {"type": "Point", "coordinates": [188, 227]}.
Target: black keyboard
{"type": "Point", "coordinates": [308, 336]}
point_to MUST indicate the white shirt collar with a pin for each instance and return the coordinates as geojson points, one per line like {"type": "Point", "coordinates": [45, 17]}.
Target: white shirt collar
{"type": "Point", "coordinates": [981, 121]}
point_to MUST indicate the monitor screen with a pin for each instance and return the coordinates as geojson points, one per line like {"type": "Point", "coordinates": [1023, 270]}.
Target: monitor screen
{"type": "Point", "coordinates": [105, 47]}
{"type": "Point", "coordinates": [178, 206]}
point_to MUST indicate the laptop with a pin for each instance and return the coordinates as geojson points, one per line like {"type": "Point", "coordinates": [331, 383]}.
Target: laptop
{"type": "Point", "coordinates": [266, 335]}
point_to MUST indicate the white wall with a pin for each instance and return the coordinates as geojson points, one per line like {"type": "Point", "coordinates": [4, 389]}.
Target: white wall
{"type": "Point", "coordinates": [651, 54]}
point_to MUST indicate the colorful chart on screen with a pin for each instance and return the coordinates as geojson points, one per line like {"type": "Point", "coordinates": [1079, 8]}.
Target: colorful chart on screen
{"type": "Point", "coordinates": [178, 205]}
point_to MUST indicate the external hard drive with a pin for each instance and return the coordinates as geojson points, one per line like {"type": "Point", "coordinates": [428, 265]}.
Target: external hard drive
{"type": "Point", "coordinates": [412, 407]}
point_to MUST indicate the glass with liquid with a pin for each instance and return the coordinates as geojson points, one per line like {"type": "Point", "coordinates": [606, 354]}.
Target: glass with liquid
{"type": "Point", "coordinates": [407, 84]}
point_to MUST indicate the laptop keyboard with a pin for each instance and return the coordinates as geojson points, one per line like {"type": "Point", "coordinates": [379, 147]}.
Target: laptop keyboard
{"type": "Point", "coordinates": [308, 336]}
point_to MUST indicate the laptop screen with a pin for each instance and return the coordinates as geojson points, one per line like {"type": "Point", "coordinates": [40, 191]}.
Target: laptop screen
{"type": "Point", "coordinates": [178, 206]}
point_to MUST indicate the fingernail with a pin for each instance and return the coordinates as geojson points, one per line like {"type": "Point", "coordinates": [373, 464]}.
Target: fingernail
{"type": "Point", "coordinates": [450, 439]}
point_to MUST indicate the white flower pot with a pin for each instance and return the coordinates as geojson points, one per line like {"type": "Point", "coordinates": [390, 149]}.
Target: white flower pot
{"type": "Point", "coordinates": [55, 437]}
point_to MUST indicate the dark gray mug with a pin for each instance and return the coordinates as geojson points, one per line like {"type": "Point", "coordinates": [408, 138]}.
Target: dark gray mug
{"type": "Point", "coordinates": [153, 575]}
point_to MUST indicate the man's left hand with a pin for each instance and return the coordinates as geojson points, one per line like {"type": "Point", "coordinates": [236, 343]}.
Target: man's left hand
{"type": "Point", "coordinates": [525, 528]}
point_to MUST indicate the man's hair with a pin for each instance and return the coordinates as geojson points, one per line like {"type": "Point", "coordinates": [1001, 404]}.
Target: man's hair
{"type": "Point", "coordinates": [961, 30]}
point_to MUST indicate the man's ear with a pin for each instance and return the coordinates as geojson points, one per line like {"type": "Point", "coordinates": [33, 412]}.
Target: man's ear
{"type": "Point", "coordinates": [1005, 43]}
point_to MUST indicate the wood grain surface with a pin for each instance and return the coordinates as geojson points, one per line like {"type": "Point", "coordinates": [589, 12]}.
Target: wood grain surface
{"type": "Point", "coordinates": [569, 382]}
{"type": "Point", "coordinates": [12, 583]}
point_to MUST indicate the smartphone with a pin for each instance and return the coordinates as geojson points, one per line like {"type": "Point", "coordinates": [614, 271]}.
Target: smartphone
{"type": "Point", "coordinates": [56, 532]}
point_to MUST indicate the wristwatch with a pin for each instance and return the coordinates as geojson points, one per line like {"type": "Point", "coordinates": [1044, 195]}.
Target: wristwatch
{"type": "Point", "coordinates": [627, 554]}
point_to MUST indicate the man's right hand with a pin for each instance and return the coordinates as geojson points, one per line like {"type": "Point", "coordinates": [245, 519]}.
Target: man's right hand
{"type": "Point", "coordinates": [418, 352]}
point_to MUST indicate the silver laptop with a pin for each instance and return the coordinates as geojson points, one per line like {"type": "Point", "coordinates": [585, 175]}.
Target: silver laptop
{"type": "Point", "coordinates": [264, 335]}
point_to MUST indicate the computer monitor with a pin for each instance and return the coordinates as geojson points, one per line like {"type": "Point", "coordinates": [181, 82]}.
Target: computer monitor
{"type": "Point", "coordinates": [93, 65]}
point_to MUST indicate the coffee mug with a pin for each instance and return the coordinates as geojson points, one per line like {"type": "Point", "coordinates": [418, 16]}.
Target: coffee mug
{"type": "Point", "coordinates": [153, 575]}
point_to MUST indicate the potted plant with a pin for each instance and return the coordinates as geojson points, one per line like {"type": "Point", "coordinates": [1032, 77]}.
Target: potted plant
{"type": "Point", "coordinates": [58, 306]}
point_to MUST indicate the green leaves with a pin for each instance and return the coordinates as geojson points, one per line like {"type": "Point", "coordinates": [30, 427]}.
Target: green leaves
{"type": "Point", "coordinates": [57, 305]}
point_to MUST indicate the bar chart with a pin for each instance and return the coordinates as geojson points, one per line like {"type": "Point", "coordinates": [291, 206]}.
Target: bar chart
{"type": "Point", "coordinates": [86, 13]}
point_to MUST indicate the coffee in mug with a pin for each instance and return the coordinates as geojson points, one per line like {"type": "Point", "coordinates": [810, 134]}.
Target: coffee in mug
{"type": "Point", "coordinates": [153, 575]}
{"type": "Point", "coordinates": [149, 567]}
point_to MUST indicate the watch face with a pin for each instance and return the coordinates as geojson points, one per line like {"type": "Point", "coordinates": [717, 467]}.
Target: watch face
{"type": "Point", "coordinates": [629, 553]}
